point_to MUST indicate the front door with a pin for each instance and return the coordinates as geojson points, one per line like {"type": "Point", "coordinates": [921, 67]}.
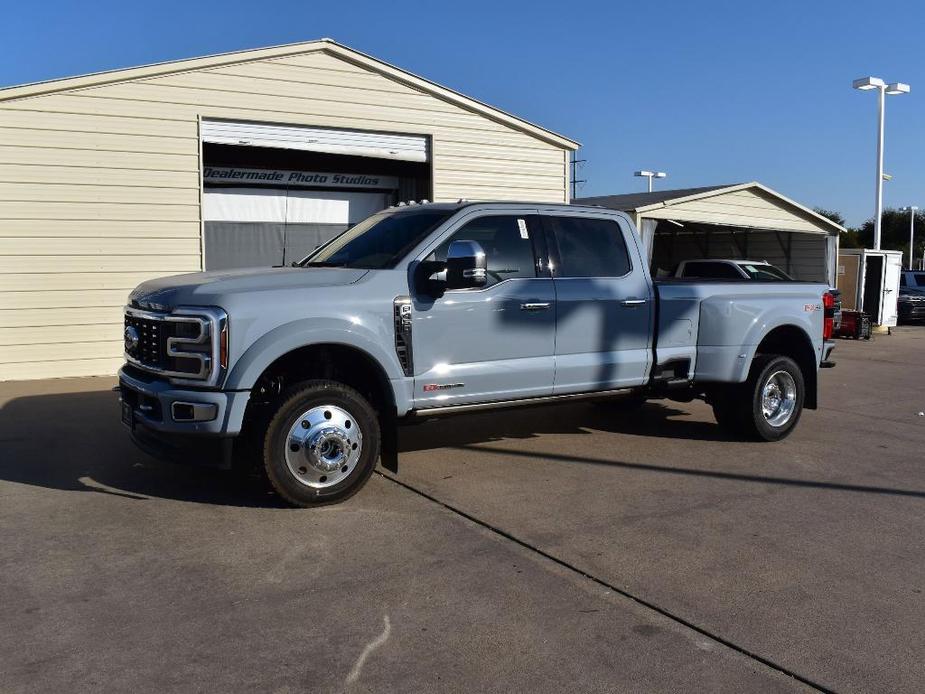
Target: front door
{"type": "Point", "coordinates": [603, 304]}
{"type": "Point", "coordinates": [495, 342]}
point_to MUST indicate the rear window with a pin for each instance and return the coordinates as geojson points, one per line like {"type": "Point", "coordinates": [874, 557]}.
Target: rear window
{"type": "Point", "coordinates": [919, 278]}
{"type": "Point", "coordinates": [589, 247]}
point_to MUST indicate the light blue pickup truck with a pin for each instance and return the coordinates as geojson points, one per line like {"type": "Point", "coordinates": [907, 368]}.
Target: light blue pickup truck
{"type": "Point", "coordinates": [433, 309]}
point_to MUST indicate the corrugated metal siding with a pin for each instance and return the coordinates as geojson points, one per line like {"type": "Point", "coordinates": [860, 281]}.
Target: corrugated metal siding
{"type": "Point", "coordinates": [99, 186]}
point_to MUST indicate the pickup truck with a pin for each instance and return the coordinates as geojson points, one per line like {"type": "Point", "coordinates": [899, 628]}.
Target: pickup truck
{"type": "Point", "coordinates": [433, 309]}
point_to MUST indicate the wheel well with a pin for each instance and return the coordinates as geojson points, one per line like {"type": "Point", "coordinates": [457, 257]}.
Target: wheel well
{"type": "Point", "coordinates": [791, 341]}
{"type": "Point", "coordinates": [342, 363]}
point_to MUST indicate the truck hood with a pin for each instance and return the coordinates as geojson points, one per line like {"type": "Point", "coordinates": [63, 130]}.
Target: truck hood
{"type": "Point", "coordinates": [205, 288]}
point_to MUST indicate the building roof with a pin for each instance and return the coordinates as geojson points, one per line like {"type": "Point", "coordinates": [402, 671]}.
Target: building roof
{"type": "Point", "coordinates": [640, 203]}
{"type": "Point", "coordinates": [630, 202]}
{"type": "Point", "coordinates": [326, 45]}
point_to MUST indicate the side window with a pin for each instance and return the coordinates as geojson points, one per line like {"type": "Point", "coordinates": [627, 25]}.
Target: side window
{"type": "Point", "coordinates": [506, 242]}
{"type": "Point", "coordinates": [919, 279]}
{"type": "Point", "coordinates": [902, 280]}
{"type": "Point", "coordinates": [589, 247]}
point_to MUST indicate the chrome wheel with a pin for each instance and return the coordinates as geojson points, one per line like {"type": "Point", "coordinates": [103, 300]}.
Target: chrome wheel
{"type": "Point", "coordinates": [323, 446]}
{"type": "Point", "coordinates": [778, 398]}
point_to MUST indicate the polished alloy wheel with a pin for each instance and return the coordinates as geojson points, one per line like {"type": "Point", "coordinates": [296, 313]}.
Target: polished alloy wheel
{"type": "Point", "coordinates": [778, 398]}
{"type": "Point", "coordinates": [323, 446]}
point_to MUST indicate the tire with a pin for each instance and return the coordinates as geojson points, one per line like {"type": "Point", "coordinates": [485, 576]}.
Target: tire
{"type": "Point", "coordinates": [768, 405]}
{"type": "Point", "coordinates": [321, 444]}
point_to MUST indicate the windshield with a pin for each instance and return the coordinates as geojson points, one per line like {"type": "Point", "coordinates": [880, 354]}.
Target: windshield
{"type": "Point", "coordinates": [763, 272]}
{"type": "Point", "coordinates": [378, 242]}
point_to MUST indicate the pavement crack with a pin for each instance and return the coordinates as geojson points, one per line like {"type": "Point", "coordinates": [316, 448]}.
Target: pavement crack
{"type": "Point", "coordinates": [643, 602]}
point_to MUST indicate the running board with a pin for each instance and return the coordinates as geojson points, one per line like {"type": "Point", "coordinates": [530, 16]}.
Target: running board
{"type": "Point", "coordinates": [498, 404]}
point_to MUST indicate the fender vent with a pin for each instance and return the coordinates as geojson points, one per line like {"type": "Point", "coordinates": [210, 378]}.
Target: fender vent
{"type": "Point", "coordinates": [402, 313]}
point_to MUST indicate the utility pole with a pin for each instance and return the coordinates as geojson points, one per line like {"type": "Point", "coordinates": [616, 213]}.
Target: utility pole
{"type": "Point", "coordinates": [576, 164]}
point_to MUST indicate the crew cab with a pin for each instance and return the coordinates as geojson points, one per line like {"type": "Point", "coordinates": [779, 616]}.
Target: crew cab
{"type": "Point", "coordinates": [435, 309]}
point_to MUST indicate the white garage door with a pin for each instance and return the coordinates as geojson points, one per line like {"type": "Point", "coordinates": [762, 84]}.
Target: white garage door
{"type": "Point", "coordinates": [331, 140]}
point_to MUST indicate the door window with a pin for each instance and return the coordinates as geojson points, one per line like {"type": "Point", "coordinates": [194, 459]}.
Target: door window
{"type": "Point", "coordinates": [506, 241]}
{"type": "Point", "coordinates": [589, 247]}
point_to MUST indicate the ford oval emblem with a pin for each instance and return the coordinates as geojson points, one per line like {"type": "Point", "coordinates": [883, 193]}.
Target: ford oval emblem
{"type": "Point", "coordinates": [131, 338]}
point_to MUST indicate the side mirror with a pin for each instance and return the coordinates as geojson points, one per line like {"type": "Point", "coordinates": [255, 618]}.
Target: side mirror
{"type": "Point", "coordinates": [466, 265]}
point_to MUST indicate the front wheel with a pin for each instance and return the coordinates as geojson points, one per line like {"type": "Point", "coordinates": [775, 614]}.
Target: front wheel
{"type": "Point", "coordinates": [768, 405]}
{"type": "Point", "coordinates": [321, 445]}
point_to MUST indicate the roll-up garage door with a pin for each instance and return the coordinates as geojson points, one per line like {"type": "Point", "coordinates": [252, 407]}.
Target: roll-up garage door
{"type": "Point", "coordinates": [251, 227]}
{"type": "Point", "coordinates": [331, 140]}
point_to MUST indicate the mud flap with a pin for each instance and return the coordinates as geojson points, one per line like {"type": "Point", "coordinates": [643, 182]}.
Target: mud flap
{"type": "Point", "coordinates": [388, 451]}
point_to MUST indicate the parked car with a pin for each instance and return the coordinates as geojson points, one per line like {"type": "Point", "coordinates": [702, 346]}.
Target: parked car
{"type": "Point", "coordinates": [730, 270]}
{"type": "Point", "coordinates": [911, 301]}
{"type": "Point", "coordinates": [436, 309]}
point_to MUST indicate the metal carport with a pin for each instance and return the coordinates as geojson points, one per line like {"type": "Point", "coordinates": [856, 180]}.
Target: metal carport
{"type": "Point", "coordinates": [743, 221]}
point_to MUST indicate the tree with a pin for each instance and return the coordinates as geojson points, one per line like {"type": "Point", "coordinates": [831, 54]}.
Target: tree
{"type": "Point", "coordinates": [894, 233]}
{"type": "Point", "coordinates": [849, 238]}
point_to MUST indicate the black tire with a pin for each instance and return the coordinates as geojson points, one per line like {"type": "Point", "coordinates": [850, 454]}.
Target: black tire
{"type": "Point", "coordinates": [360, 431]}
{"type": "Point", "coordinates": [748, 403]}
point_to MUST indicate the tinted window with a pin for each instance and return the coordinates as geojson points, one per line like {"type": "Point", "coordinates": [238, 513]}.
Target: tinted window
{"type": "Point", "coordinates": [711, 270]}
{"type": "Point", "coordinates": [902, 280]}
{"type": "Point", "coordinates": [508, 250]}
{"type": "Point", "coordinates": [589, 247]}
{"type": "Point", "coordinates": [379, 241]}
{"type": "Point", "coordinates": [919, 278]}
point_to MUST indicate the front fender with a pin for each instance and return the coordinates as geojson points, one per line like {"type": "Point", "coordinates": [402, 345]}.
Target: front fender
{"type": "Point", "coordinates": [310, 331]}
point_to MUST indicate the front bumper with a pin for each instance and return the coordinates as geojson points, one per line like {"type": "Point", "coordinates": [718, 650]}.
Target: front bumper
{"type": "Point", "coordinates": [149, 409]}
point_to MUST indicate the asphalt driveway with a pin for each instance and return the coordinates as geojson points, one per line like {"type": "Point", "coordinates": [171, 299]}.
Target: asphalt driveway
{"type": "Point", "coordinates": [566, 548]}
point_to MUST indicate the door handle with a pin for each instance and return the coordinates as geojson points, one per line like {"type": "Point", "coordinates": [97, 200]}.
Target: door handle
{"type": "Point", "coordinates": [633, 302]}
{"type": "Point", "coordinates": [540, 306]}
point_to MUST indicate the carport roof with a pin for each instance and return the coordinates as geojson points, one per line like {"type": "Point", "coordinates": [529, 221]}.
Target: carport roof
{"type": "Point", "coordinates": [642, 203]}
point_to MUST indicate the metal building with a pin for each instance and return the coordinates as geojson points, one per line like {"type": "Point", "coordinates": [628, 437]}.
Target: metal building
{"type": "Point", "coordinates": [742, 221]}
{"type": "Point", "coordinates": [246, 158]}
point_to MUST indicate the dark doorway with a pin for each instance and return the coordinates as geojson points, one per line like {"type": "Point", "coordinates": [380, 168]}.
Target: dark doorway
{"type": "Point", "coordinates": [873, 283]}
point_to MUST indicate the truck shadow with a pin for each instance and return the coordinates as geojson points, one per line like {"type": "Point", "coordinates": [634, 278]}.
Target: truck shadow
{"type": "Point", "coordinates": [75, 442]}
{"type": "Point", "coordinates": [652, 419]}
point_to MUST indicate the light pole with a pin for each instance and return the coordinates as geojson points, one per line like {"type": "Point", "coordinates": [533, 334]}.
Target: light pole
{"type": "Point", "coordinates": [650, 175]}
{"type": "Point", "coordinates": [866, 83]}
{"type": "Point", "coordinates": [912, 209]}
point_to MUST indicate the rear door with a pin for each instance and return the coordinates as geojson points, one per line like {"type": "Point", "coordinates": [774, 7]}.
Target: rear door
{"type": "Point", "coordinates": [604, 303]}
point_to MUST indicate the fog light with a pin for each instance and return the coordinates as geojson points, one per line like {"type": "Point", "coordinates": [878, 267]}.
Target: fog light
{"type": "Point", "coordinates": [193, 411]}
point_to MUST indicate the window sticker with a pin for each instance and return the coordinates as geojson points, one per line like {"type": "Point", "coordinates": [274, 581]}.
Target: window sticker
{"type": "Point", "coordinates": [522, 225]}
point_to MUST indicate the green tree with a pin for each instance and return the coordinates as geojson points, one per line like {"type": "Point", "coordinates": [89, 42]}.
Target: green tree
{"type": "Point", "coordinates": [894, 233]}
{"type": "Point", "coordinates": [849, 238]}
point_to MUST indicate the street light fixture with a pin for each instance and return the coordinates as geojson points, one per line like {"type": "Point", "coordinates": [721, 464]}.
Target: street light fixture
{"type": "Point", "coordinates": [911, 209]}
{"type": "Point", "coordinates": [865, 84]}
{"type": "Point", "coordinates": [650, 175]}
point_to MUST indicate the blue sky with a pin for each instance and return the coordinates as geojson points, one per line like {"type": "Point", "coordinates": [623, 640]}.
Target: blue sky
{"type": "Point", "coordinates": [711, 92]}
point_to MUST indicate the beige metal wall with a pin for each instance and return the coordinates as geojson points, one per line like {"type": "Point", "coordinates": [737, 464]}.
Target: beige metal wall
{"type": "Point", "coordinates": [745, 208]}
{"type": "Point", "coordinates": [99, 186]}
